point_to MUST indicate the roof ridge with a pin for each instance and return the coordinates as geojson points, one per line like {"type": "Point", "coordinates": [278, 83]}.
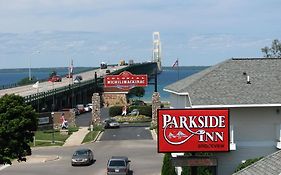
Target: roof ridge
{"type": "Point", "coordinates": [254, 58]}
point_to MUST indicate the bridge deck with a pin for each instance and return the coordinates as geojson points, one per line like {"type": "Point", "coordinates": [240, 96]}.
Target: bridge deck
{"type": "Point", "coordinates": [46, 86]}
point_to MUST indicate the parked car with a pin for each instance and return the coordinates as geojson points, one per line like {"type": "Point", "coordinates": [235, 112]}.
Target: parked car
{"type": "Point", "coordinates": [88, 107]}
{"type": "Point", "coordinates": [55, 78]}
{"type": "Point", "coordinates": [76, 111]}
{"type": "Point", "coordinates": [82, 157]}
{"type": "Point", "coordinates": [111, 123]}
{"type": "Point", "coordinates": [80, 108]}
{"type": "Point", "coordinates": [138, 103]}
{"type": "Point", "coordinates": [118, 165]}
{"type": "Point", "coordinates": [134, 112]}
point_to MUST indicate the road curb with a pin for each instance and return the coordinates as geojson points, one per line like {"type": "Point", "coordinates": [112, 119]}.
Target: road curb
{"type": "Point", "coordinates": [52, 159]}
{"type": "Point", "coordinates": [98, 136]}
{"type": "Point", "coordinates": [154, 134]}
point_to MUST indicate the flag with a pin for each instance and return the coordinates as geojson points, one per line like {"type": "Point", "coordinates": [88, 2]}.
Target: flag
{"type": "Point", "coordinates": [36, 85]}
{"type": "Point", "coordinates": [176, 64]}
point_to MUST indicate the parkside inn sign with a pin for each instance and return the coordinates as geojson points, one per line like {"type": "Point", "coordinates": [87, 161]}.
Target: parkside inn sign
{"type": "Point", "coordinates": [189, 130]}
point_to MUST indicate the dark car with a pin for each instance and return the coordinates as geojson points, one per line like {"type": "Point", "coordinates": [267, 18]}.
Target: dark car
{"type": "Point", "coordinates": [68, 76]}
{"type": "Point", "coordinates": [138, 103]}
{"type": "Point", "coordinates": [76, 111]}
{"type": "Point", "coordinates": [111, 123]}
{"type": "Point", "coordinates": [55, 78]}
{"type": "Point", "coordinates": [82, 157]}
{"type": "Point", "coordinates": [118, 165]}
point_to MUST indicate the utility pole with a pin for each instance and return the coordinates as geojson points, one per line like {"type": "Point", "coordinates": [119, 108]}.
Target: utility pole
{"type": "Point", "coordinates": [29, 62]}
{"type": "Point", "coordinates": [29, 69]}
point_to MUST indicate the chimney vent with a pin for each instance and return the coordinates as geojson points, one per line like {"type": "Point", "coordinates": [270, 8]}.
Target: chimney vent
{"type": "Point", "coordinates": [248, 79]}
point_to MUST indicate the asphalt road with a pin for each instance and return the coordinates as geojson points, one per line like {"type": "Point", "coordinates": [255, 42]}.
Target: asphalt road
{"type": "Point", "coordinates": [46, 86]}
{"type": "Point", "coordinates": [143, 155]}
{"type": "Point", "coordinates": [132, 141]}
{"type": "Point", "coordinates": [125, 132]}
{"type": "Point", "coordinates": [85, 118]}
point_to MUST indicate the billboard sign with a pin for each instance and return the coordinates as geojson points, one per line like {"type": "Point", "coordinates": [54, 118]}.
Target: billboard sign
{"type": "Point", "coordinates": [125, 80]}
{"type": "Point", "coordinates": [192, 130]}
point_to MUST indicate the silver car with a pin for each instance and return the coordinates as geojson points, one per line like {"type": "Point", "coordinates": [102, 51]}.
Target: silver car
{"type": "Point", "coordinates": [111, 123]}
{"type": "Point", "coordinates": [118, 165]}
{"type": "Point", "coordinates": [82, 157]}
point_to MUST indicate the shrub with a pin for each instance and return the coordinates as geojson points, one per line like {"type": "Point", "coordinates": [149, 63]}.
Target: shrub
{"type": "Point", "coordinates": [144, 110]}
{"type": "Point", "coordinates": [247, 163]}
{"type": "Point", "coordinates": [133, 119]}
{"type": "Point", "coordinates": [167, 168]}
{"type": "Point", "coordinates": [115, 110]}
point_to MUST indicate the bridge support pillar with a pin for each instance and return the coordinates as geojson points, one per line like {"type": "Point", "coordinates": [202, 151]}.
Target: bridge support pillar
{"type": "Point", "coordinates": [156, 104]}
{"type": "Point", "coordinates": [96, 109]}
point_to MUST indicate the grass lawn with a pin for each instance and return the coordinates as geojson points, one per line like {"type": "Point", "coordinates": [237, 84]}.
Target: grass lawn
{"type": "Point", "coordinates": [45, 138]}
{"type": "Point", "coordinates": [90, 136]}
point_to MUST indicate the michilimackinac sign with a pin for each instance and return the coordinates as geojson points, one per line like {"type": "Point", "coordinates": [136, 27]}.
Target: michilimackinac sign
{"type": "Point", "coordinates": [192, 130]}
{"type": "Point", "coordinates": [125, 80]}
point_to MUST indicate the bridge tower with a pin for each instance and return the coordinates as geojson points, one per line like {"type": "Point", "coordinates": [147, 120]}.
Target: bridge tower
{"type": "Point", "coordinates": [156, 52]}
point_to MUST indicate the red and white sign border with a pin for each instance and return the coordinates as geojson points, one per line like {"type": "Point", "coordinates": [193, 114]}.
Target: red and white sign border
{"type": "Point", "coordinates": [192, 109]}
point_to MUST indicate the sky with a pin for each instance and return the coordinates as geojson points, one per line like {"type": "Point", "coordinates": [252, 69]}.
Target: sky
{"type": "Point", "coordinates": [49, 33]}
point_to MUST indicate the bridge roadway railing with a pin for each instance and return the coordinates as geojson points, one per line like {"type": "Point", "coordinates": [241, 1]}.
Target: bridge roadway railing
{"type": "Point", "coordinates": [59, 90]}
{"type": "Point", "coordinates": [144, 68]}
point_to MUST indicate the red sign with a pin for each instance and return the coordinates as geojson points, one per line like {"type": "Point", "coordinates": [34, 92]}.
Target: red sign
{"type": "Point", "coordinates": [125, 80]}
{"type": "Point", "coordinates": [189, 130]}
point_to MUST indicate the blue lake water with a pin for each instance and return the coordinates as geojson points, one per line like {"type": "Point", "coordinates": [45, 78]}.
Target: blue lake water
{"type": "Point", "coordinates": [168, 75]}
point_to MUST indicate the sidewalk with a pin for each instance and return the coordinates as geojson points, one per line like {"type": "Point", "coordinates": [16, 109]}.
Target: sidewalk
{"type": "Point", "coordinates": [76, 138]}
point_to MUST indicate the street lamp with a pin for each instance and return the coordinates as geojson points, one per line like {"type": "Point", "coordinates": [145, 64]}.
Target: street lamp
{"type": "Point", "coordinates": [29, 70]}
{"type": "Point", "coordinates": [53, 134]}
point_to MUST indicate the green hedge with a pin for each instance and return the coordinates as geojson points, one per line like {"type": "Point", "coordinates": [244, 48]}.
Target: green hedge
{"type": "Point", "coordinates": [144, 110]}
{"type": "Point", "coordinates": [115, 110]}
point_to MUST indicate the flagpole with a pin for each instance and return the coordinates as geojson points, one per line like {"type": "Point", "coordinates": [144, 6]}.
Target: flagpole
{"type": "Point", "coordinates": [178, 69]}
{"type": "Point", "coordinates": [38, 99]}
{"type": "Point", "coordinates": [69, 73]}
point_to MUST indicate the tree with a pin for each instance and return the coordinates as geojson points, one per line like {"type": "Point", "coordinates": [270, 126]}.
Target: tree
{"type": "Point", "coordinates": [167, 168]}
{"type": "Point", "coordinates": [26, 81]}
{"type": "Point", "coordinates": [274, 51]}
{"type": "Point", "coordinates": [137, 91]}
{"type": "Point", "coordinates": [17, 123]}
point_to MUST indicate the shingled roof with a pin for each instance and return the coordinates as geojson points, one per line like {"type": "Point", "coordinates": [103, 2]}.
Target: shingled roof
{"type": "Point", "coordinates": [270, 165]}
{"type": "Point", "coordinates": [226, 83]}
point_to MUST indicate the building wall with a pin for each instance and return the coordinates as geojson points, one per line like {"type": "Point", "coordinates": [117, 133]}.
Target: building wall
{"type": "Point", "coordinates": [111, 99]}
{"type": "Point", "coordinates": [254, 133]}
{"type": "Point", "coordinates": [254, 136]}
{"type": "Point", "coordinates": [177, 101]}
